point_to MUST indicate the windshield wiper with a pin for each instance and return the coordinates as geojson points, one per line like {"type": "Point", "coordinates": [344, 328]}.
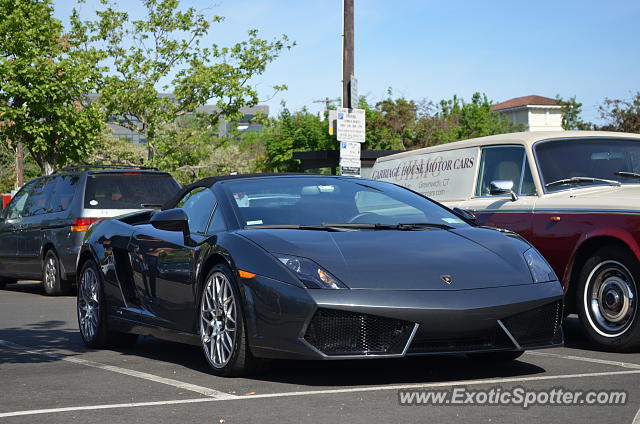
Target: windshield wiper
{"type": "Point", "coordinates": [400, 227]}
{"type": "Point", "coordinates": [627, 174]}
{"type": "Point", "coordinates": [293, 227]}
{"type": "Point", "coordinates": [574, 180]}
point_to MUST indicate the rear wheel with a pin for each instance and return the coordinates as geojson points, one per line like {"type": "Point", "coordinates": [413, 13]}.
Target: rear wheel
{"type": "Point", "coordinates": [222, 329]}
{"type": "Point", "coordinates": [496, 356]}
{"type": "Point", "coordinates": [608, 299]}
{"type": "Point", "coordinates": [54, 285]}
{"type": "Point", "coordinates": [92, 312]}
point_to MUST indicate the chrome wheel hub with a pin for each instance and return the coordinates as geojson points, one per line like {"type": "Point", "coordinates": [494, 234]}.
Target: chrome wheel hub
{"type": "Point", "coordinates": [610, 298]}
{"type": "Point", "coordinates": [218, 320]}
{"type": "Point", "coordinates": [88, 304]}
{"type": "Point", "coordinates": [50, 271]}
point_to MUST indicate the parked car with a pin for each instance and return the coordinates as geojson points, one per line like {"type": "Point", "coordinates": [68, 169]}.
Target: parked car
{"type": "Point", "coordinates": [41, 230]}
{"type": "Point", "coordinates": [314, 267]}
{"type": "Point", "coordinates": [574, 195]}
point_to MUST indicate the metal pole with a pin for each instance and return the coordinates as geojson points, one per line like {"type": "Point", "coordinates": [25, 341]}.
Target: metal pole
{"type": "Point", "coordinates": [19, 165]}
{"type": "Point", "coordinates": [347, 54]}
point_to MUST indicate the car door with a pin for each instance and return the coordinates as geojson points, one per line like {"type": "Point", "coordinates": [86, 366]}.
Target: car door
{"type": "Point", "coordinates": [504, 163]}
{"type": "Point", "coordinates": [9, 232]}
{"type": "Point", "coordinates": [30, 237]}
{"type": "Point", "coordinates": [164, 272]}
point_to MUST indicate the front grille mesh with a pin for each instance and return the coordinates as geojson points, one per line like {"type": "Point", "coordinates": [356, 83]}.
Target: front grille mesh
{"type": "Point", "coordinates": [335, 332]}
{"type": "Point", "coordinates": [537, 327]}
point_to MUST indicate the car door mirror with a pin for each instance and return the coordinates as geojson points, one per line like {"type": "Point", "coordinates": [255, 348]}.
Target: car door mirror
{"type": "Point", "coordinates": [500, 187]}
{"type": "Point", "coordinates": [465, 214]}
{"type": "Point", "coordinates": [172, 220]}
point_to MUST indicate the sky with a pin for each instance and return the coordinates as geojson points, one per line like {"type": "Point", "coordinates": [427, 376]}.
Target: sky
{"type": "Point", "coordinates": [424, 49]}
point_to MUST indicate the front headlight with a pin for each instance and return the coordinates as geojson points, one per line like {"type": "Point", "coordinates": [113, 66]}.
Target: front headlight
{"type": "Point", "coordinates": [540, 269]}
{"type": "Point", "coordinates": [312, 275]}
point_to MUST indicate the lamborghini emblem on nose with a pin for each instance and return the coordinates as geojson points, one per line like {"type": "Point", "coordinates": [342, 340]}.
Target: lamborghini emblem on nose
{"type": "Point", "coordinates": [446, 279]}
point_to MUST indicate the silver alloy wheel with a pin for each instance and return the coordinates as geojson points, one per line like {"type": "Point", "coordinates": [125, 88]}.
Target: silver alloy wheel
{"type": "Point", "coordinates": [610, 299]}
{"type": "Point", "coordinates": [50, 272]}
{"type": "Point", "coordinates": [218, 320]}
{"type": "Point", "coordinates": [88, 304]}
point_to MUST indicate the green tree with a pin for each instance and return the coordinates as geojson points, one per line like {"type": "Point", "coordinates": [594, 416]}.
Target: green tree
{"type": "Point", "coordinates": [621, 115]}
{"type": "Point", "coordinates": [292, 132]}
{"type": "Point", "coordinates": [390, 124]}
{"type": "Point", "coordinates": [455, 119]}
{"type": "Point", "coordinates": [571, 110]}
{"type": "Point", "coordinates": [164, 52]}
{"type": "Point", "coordinates": [44, 82]}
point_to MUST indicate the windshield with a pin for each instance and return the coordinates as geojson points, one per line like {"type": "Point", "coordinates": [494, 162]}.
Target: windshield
{"type": "Point", "coordinates": [567, 164]}
{"type": "Point", "coordinates": [130, 190]}
{"type": "Point", "coordinates": [320, 201]}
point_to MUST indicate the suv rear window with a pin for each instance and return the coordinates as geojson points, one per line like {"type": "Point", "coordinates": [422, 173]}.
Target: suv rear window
{"type": "Point", "coordinates": [128, 190]}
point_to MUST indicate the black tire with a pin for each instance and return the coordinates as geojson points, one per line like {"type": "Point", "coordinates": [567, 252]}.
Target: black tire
{"type": "Point", "coordinates": [52, 280]}
{"type": "Point", "coordinates": [496, 357]}
{"type": "Point", "coordinates": [101, 336]}
{"type": "Point", "coordinates": [606, 283]}
{"type": "Point", "coordinates": [240, 360]}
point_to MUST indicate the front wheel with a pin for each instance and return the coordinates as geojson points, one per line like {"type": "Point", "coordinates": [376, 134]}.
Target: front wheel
{"type": "Point", "coordinates": [222, 329]}
{"type": "Point", "coordinates": [608, 299]}
{"type": "Point", "coordinates": [92, 312]}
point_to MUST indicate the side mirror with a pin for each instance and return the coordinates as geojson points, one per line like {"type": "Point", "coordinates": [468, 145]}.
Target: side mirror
{"type": "Point", "coordinates": [172, 220]}
{"type": "Point", "coordinates": [500, 187]}
{"type": "Point", "coordinates": [465, 214]}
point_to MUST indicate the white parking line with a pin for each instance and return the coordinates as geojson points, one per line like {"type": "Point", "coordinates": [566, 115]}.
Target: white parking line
{"type": "Point", "coordinates": [585, 359]}
{"type": "Point", "coordinates": [322, 392]}
{"type": "Point", "coordinates": [215, 394]}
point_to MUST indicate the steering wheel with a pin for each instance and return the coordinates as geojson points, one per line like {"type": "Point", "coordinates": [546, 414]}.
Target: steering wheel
{"type": "Point", "coordinates": [356, 218]}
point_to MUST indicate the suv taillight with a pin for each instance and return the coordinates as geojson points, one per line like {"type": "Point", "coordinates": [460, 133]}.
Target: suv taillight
{"type": "Point", "coordinates": [82, 224]}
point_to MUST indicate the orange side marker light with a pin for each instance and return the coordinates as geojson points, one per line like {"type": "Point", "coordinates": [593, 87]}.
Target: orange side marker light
{"type": "Point", "coordinates": [555, 218]}
{"type": "Point", "coordinates": [246, 274]}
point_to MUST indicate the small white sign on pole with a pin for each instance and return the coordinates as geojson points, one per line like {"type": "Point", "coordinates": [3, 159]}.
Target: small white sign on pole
{"type": "Point", "coordinates": [350, 150]}
{"type": "Point", "coordinates": [350, 125]}
{"type": "Point", "coordinates": [350, 167]}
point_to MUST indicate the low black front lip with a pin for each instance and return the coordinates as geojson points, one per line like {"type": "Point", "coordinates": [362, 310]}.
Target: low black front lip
{"type": "Point", "coordinates": [438, 315]}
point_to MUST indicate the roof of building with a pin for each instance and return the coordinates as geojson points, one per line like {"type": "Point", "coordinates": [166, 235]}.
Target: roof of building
{"type": "Point", "coordinates": [532, 100]}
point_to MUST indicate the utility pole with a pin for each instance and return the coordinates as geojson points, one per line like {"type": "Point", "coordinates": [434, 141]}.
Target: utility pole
{"type": "Point", "coordinates": [19, 165]}
{"type": "Point", "coordinates": [347, 55]}
{"type": "Point", "coordinates": [327, 102]}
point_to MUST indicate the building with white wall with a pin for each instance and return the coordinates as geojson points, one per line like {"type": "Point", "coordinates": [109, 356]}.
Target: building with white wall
{"type": "Point", "coordinates": [537, 113]}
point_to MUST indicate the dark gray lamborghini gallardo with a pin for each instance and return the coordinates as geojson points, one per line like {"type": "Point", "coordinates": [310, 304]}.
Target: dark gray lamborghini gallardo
{"type": "Point", "coordinates": [314, 267]}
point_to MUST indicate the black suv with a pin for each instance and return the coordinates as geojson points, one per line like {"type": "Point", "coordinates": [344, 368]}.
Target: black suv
{"type": "Point", "coordinates": [41, 230]}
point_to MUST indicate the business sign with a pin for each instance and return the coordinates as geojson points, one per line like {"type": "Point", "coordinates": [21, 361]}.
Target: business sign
{"type": "Point", "coordinates": [349, 150]}
{"type": "Point", "coordinates": [443, 176]}
{"type": "Point", "coordinates": [350, 125]}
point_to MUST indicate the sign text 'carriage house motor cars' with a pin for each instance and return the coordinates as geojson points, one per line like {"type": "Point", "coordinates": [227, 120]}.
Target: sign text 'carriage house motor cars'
{"type": "Point", "coordinates": [575, 195]}
{"type": "Point", "coordinates": [314, 267]}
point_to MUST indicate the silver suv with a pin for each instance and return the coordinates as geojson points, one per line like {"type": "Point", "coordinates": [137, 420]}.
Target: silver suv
{"type": "Point", "coordinates": [41, 230]}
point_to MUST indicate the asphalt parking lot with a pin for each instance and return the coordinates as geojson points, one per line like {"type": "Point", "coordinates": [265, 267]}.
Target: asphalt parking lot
{"type": "Point", "coordinates": [47, 375]}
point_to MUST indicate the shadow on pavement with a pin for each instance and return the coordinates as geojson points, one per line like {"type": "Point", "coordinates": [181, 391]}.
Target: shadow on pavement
{"type": "Point", "coordinates": [344, 373]}
{"type": "Point", "coordinates": [34, 287]}
{"type": "Point", "coordinates": [51, 336]}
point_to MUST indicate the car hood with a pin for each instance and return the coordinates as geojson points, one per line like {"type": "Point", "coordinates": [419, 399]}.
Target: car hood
{"type": "Point", "coordinates": [406, 260]}
{"type": "Point", "coordinates": [624, 197]}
